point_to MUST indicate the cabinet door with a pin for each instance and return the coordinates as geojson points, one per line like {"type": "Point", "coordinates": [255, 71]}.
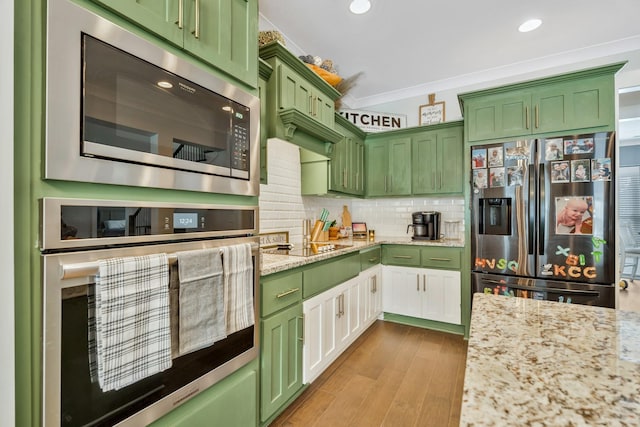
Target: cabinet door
{"type": "Point", "coordinates": [550, 108]}
{"type": "Point", "coordinates": [399, 171]}
{"type": "Point", "coordinates": [357, 167]}
{"type": "Point", "coordinates": [293, 92]}
{"type": "Point", "coordinates": [224, 33]}
{"type": "Point", "coordinates": [424, 160]}
{"type": "Point", "coordinates": [371, 295]}
{"type": "Point", "coordinates": [499, 116]}
{"type": "Point", "coordinates": [401, 293]}
{"type": "Point", "coordinates": [281, 359]}
{"type": "Point", "coordinates": [450, 173]}
{"type": "Point", "coordinates": [323, 109]}
{"type": "Point", "coordinates": [353, 307]}
{"type": "Point", "coordinates": [376, 164]}
{"type": "Point", "coordinates": [441, 296]}
{"type": "Point", "coordinates": [158, 16]}
{"type": "Point", "coordinates": [338, 175]}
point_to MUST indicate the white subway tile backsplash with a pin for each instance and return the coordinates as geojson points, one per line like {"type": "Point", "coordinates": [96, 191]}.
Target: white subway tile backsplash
{"type": "Point", "coordinates": [282, 208]}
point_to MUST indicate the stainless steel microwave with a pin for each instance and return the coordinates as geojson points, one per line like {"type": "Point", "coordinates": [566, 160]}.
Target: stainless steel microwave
{"type": "Point", "coordinates": [122, 110]}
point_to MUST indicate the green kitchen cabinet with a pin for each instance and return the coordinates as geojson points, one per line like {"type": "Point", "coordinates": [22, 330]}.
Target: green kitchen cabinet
{"type": "Point", "coordinates": [563, 103]}
{"type": "Point", "coordinates": [405, 255]}
{"type": "Point", "coordinates": [300, 104]}
{"type": "Point", "coordinates": [437, 160]}
{"type": "Point", "coordinates": [347, 160]}
{"type": "Point", "coordinates": [232, 402]}
{"type": "Point", "coordinates": [264, 74]}
{"type": "Point", "coordinates": [388, 166]}
{"type": "Point", "coordinates": [222, 33]}
{"type": "Point", "coordinates": [281, 359]}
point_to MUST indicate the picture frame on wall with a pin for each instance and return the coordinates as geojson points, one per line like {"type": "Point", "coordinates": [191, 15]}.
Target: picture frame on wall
{"type": "Point", "coordinates": [431, 113]}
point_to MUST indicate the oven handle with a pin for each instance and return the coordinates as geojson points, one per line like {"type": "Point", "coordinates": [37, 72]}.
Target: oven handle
{"type": "Point", "coordinates": [84, 269]}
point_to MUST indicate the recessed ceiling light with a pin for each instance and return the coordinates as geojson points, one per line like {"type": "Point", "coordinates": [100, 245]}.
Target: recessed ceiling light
{"type": "Point", "coordinates": [360, 6]}
{"type": "Point", "coordinates": [529, 25]}
{"type": "Point", "coordinates": [165, 84]}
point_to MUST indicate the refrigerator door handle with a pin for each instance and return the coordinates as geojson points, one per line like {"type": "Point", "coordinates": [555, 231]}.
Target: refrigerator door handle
{"type": "Point", "coordinates": [531, 208]}
{"type": "Point", "coordinates": [532, 288]}
{"type": "Point", "coordinates": [542, 222]}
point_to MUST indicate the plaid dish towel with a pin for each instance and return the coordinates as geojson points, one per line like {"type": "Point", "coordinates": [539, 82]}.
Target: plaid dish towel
{"type": "Point", "coordinates": [132, 331]}
{"type": "Point", "coordinates": [238, 286]}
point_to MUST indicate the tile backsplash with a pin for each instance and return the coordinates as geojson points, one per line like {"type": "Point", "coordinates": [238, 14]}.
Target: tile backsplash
{"type": "Point", "coordinates": [282, 208]}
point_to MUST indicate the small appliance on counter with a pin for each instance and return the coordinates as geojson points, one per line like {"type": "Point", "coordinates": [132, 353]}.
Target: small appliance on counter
{"type": "Point", "coordinates": [426, 225]}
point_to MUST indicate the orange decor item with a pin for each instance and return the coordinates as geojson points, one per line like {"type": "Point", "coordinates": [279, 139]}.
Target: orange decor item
{"type": "Point", "coordinates": [332, 79]}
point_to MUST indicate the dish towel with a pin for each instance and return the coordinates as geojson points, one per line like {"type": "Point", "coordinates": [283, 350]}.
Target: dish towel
{"type": "Point", "coordinates": [131, 308]}
{"type": "Point", "coordinates": [238, 286]}
{"type": "Point", "coordinates": [201, 312]}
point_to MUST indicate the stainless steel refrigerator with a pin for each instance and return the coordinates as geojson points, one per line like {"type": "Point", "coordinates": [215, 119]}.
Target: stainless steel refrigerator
{"type": "Point", "coordinates": [543, 218]}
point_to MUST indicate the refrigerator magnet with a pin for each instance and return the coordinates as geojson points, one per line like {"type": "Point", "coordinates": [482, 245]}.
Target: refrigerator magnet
{"type": "Point", "coordinates": [580, 170]}
{"type": "Point", "coordinates": [560, 172]}
{"type": "Point", "coordinates": [574, 215]}
{"type": "Point", "coordinates": [553, 149]}
{"type": "Point", "coordinates": [478, 158]}
{"type": "Point", "coordinates": [518, 150]}
{"type": "Point", "coordinates": [514, 176]}
{"type": "Point", "coordinates": [480, 178]}
{"type": "Point", "coordinates": [495, 157]}
{"type": "Point", "coordinates": [496, 177]}
{"type": "Point", "coordinates": [601, 169]}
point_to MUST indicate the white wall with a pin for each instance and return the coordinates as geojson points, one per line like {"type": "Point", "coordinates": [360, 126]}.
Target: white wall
{"type": "Point", "coordinates": [282, 208]}
{"type": "Point", "coordinates": [7, 349]}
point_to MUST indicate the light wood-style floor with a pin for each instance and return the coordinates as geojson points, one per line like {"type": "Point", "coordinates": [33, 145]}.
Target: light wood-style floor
{"type": "Point", "coordinates": [629, 299]}
{"type": "Point", "coordinates": [393, 375]}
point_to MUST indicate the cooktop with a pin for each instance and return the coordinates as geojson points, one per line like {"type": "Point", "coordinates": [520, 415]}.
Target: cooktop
{"type": "Point", "coordinates": [313, 249]}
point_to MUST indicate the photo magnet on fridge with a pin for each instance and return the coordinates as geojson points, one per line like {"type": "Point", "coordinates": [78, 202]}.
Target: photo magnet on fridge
{"type": "Point", "coordinates": [478, 158]}
{"type": "Point", "coordinates": [560, 172]}
{"type": "Point", "coordinates": [601, 169]}
{"type": "Point", "coordinates": [496, 177]}
{"type": "Point", "coordinates": [495, 157]}
{"type": "Point", "coordinates": [575, 215]}
{"type": "Point", "coordinates": [580, 170]}
{"type": "Point", "coordinates": [514, 175]}
{"type": "Point", "coordinates": [553, 149]}
{"type": "Point", "coordinates": [480, 178]}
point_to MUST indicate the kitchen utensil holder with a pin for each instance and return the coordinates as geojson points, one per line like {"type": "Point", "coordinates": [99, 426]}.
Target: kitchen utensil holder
{"type": "Point", "coordinates": [317, 233]}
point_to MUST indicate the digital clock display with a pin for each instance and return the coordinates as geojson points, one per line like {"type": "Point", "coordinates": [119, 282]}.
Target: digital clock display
{"type": "Point", "coordinates": [185, 220]}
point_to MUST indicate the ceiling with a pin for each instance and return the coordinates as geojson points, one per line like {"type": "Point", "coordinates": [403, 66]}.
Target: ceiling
{"type": "Point", "coordinates": [413, 47]}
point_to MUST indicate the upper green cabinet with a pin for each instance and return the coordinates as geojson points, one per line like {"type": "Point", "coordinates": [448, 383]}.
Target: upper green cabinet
{"type": "Point", "coordinates": [223, 33]}
{"type": "Point", "coordinates": [347, 159]}
{"type": "Point", "coordinates": [300, 105]}
{"type": "Point", "coordinates": [423, 160]}
{"type": "Point", "coordinates": [388, 165]}
{"type": "Point", "coordinates": [556, 104]}
{"type": "Point", "coordinates": [437, 160]}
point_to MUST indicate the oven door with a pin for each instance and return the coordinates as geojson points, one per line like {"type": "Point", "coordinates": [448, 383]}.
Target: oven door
{"type": "Point", "coordinates": [71, 398]}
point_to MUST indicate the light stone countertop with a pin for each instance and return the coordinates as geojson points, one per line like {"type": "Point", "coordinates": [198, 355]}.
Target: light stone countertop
{"type": "Point", "coordinates": [543, 363]}
{"type": "Point", "coordinates": [273, 263]}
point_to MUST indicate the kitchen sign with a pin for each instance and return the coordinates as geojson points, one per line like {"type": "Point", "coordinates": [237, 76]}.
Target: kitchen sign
{"type": "Point", "coordinates": [372, 121]}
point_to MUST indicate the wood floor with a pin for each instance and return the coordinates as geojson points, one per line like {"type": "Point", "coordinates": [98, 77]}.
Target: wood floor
{"type": "Point", "coordinates": [393, 375]}
{"type": "Point", "coordinates": [629, 299]}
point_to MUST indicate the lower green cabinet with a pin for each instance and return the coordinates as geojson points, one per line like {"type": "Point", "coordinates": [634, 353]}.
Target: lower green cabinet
{"type": "Point", "coordinates": [233, 402]}
{"type": "Point", "coordinates": [280, 359]}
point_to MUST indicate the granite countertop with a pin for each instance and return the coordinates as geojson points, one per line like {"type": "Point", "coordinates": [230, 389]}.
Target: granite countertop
{"type": "Point", "coordinates": [543, 363]}
{"type": "Point", "coordinates": [273, 263]}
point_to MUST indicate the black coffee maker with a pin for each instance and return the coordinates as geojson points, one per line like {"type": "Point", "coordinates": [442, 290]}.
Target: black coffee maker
{"type": "Point", "coordinates": [426, 225]}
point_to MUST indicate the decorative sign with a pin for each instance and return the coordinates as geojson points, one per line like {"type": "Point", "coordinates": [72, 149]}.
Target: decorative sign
{"type": "Point", "coordinates": [433, 112]}
{"type": "Point", "coordinates": [371, 121]}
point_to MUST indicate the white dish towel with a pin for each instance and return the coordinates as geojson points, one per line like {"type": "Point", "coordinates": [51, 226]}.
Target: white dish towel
{"type": "Point", "coordinates": [238, 286]}
{"type": "Point", "coordinates": [201, 313]}
{"type": "Point", "coordinates": [133, 336]}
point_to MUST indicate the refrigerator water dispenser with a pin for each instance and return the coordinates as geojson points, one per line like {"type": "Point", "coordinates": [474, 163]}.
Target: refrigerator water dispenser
{"type": "Point", "coordinates": [495, 216]}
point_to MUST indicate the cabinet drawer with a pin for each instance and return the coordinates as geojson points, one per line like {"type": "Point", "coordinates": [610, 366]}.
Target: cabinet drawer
{"type": "Point", "coordinates": [439, 257]}
{"type": "Point", "coordinates": [370, 257]}
{"type": "Point", "coordinates": [401, 255]}
{"type": "Point", "coordinates": [323, 276]}
{"type": "Point", "coordinates": [280, 291]}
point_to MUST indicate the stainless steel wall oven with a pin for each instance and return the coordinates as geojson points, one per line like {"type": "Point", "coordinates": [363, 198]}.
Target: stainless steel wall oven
{"type": "Point", "coordinates": [76, 236]}
{"type": "Point", "coordinates": [121, 110]}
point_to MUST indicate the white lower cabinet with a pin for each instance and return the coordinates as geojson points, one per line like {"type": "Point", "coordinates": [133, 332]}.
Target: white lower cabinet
{"type": "Point", "coordinates": [336, 317]}
{"type": "Point", "coordinates": [423, 293]}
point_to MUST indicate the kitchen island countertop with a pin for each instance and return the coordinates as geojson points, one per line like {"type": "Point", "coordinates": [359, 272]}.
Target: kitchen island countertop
{"type": "Point", "coordinates": [273, 263]}
{"type": "Point", "coordinates": [543, 363]}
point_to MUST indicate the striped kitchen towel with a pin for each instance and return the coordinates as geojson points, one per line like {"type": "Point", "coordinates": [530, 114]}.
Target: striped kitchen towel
{"type": "Point", "coordinates": [238, 286]}
{"type": "Point", "coordinates": [132, 331]}
{"type": "Point", "coordinates": [201, 298]}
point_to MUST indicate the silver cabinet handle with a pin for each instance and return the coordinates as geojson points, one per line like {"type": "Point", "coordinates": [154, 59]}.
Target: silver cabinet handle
{"type": "Point", "coordinates": [526, 116]}
{"type": "Point", "coordinates": [424, 283]}
{"type": "Point", "coordinates": [289, 292]}
{"type": "Point", "coordinates": [403, 256]}
{"type": "Point", "coordinates": [196, 30]}
{"type": "Point", "coordinates": [537, 117]}
{"type": "Point", "coordinates": [180, 20]}
{"type": "Point", "coordinates": [418, 282]}
{"type": "Point", "coordinates": [440, 259]}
